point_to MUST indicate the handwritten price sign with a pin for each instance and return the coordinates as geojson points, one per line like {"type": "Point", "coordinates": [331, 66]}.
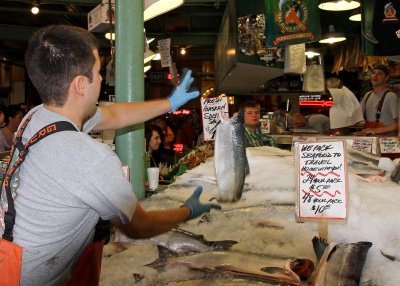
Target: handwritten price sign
{"type": "Point", "coordinates": [211, 109]}
{"type": "Point", "coordinates": [322, 180]}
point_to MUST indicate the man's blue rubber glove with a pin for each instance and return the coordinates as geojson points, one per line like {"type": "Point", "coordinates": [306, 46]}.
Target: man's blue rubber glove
{"type": "Point", "coordinates": [180, 94]}
{"type": "Point", "coordinates": [197, 208]}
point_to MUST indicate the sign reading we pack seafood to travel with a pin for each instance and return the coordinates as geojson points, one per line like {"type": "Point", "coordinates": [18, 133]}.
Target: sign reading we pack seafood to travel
{"type": "Point", "coordinates": [322, 180]}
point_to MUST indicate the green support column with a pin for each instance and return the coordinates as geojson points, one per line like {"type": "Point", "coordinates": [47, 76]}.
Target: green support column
{"type": "Point", "coordinates": [130, 86]}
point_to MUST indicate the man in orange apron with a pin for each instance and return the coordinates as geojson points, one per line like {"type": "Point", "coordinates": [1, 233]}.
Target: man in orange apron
{"type": "Point", "coordinates": [380, 106]}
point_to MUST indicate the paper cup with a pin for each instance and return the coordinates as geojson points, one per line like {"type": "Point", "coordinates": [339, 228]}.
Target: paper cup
{"type": "Point", "coordinates": [153, 175]}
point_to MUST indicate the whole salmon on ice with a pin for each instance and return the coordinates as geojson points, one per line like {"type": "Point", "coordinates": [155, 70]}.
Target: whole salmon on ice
{"type": "Point", "coordinates": [231, 165]}
{"type": "Point", "coordinates": [251, 266]}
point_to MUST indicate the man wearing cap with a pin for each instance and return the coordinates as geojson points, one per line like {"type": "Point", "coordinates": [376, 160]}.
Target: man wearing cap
{"type": "Point", "coordinates": [380, 106]}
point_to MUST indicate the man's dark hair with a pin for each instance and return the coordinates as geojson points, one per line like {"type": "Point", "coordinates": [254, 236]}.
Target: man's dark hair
{"type": "Point", "coordinates": [55, 55]}
{"type": "Point", "coordinates": [249, 103]}
{"type": "Point", "coordinates": [12, 111]}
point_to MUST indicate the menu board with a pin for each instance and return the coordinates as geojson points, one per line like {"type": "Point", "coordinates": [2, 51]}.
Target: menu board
{"type": "Point", "coordinates": [211, 110]}
{"type": "Point", "coordinates": [322, 180]}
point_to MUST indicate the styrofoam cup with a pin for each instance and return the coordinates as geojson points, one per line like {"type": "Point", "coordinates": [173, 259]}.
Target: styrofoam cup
{"type": "Point", "coordinates": [153, 175]}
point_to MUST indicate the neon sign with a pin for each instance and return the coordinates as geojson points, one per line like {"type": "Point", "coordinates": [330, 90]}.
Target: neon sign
{"type": "Point", "coordinates": [322, 103]}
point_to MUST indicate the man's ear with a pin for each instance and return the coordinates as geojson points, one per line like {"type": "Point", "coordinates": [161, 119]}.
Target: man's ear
{"type": "Point", "coordinates": [78, 84]}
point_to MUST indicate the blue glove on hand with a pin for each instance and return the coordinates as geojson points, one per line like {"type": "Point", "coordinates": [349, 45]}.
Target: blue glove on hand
{"type": "Point", "coordinates": [180, 94]}
{"type": "Point", "coordinates": [197, 208]}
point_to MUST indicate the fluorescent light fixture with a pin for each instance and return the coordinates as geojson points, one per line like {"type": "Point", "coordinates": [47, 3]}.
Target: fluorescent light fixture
{"type": "Point", "coordinates": [332, 37]}
{"type": "Point", "coordinates": [148, 56]}
{"type": "Point", "coordinates": [311, 54]}
{"type": "Point", "coordinates": [153, 8]}
{"type": "Point", "coordinates": [340, 5]}
{"type": "Point", "coordinates": [110, 36]}
{"type": "Point", "coordinates": [146, 68]}
{"type": "Point", "coordinates": [150, 40]}
{"type": "Point", "coordinates": [356, 17]}
{"type": "Point", "coordinates": [157, 57]}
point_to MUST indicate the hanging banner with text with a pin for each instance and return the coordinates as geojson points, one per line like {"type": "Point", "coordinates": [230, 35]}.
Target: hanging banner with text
{"type": "Point", "coordinates": [211, 110]}
{"type": "Point", "coordinates": [322, 180]}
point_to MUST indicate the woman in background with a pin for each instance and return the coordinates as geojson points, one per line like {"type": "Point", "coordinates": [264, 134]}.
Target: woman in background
{"type": "Point", "coordinates": [12, 118]}
{"type": "Point", "coordinates": [154, 139]}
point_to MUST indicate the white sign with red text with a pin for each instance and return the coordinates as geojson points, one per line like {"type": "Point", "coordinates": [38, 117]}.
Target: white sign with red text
{"type": "Point", "coordinates": [322, 180]}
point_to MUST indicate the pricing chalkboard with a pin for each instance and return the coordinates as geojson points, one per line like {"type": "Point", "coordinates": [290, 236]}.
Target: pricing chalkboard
{"type": "Point", "coordinates": [211, 110]}
{"type": "Point", "coordinates": [322, 180]}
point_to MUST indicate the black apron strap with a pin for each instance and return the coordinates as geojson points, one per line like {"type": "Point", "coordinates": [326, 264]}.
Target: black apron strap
{"type": "Point", "coordinates": [9, 216]}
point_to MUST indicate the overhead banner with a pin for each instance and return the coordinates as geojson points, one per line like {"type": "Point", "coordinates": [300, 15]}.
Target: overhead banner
{"type": "Point", "coordinates": [291, 22]}
{"type": "Point", "coordinates": [380, 25]}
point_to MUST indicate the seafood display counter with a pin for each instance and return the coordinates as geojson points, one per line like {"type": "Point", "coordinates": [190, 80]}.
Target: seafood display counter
{"type": "Point", "coordinates": [378, 145]}
{"type": "Point", "coordinates": [257, 240]}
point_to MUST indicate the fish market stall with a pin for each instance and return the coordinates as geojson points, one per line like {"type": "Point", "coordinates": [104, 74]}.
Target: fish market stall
{"type": "Point", "coordinates": [260, 230]}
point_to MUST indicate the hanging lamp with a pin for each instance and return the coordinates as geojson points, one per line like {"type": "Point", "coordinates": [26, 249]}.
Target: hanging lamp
{"type": "Point", "coordinates": [338, 5]}
{"type": "Point", "coordinates": [153, 8]}
{"type": "Point", "coordinates": [332, 37]}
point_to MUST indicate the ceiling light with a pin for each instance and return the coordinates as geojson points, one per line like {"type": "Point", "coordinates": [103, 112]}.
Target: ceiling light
{"type": "Point", "coordinates": [148, 56]}
{"type": "Point", "coordinates": [356, 17]}
{"type": "Point", "coordinates": [35, 7]}
{"type": "Point", "coordinates": [183, 51]}
{"type": "Point", "coordinates": [311, 54]}
{"type": "Point", "coordinates": [157, 57]}
{"type": "Point", "coordinates": [150, 40]}
{"type": "Point", "coordinates": [146, 68]}
{"type": "Point", "coordinates": [332, 37]}
{"type": "Point", "coordinates": [340, 5]}
{"type": "Point", "coordinates": [153, 8]}
{"type": "Point", "coordinates": [110, 36]}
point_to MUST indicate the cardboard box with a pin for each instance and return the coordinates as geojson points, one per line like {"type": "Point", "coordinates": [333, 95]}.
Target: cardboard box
{"type": "Point", "coordinates": [99, 17]}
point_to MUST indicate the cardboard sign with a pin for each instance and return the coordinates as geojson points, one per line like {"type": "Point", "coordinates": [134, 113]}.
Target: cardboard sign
{"type": "Point", "coordinates": [211, 110]}
{"type": "Point", "coordinates": [165, 52]}
{"type": "Point", "coordinates": [365, 144]}
{"type": "Point", "coordinates": [389, 145]}
{"type": "Point", "coordinates": [322, 180]}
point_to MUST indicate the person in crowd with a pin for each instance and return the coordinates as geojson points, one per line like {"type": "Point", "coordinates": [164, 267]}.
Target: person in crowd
{"type": "Point", "coordinates": [380, 106]}
{"type": "Point", "coordinates": [2, 115]}
{"type": "Point", "coordinates": [69, 180]}
{"type": "Point", "coordinates": [318, 122]}
{"type": "Point", "coordinates": [166, 153]}
{"type": "Point", "coordinates": [283, 117]}
{"type": "Point", "coordinates": [154, 140]}
{"type": "Point", "coordinates": [12, 118]}
{"type": "Point", "coordinates": [252, 130]}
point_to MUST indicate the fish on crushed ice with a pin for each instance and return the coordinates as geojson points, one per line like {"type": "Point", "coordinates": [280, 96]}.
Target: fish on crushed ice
{"type": "Point", "coordinates": [181, 242]}
{"type": "Point", "coordinates": [340, 264]}
{"type": "Point", "coordinates": [231, 165]}
{"type": "Point", "coordinates": [249, 266]}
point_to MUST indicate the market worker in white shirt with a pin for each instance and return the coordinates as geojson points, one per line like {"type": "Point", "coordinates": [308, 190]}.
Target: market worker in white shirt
{"type": "Point", "coordinates": [69, 180]}
{"type": "Point", "coordinates": [380, 106]}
